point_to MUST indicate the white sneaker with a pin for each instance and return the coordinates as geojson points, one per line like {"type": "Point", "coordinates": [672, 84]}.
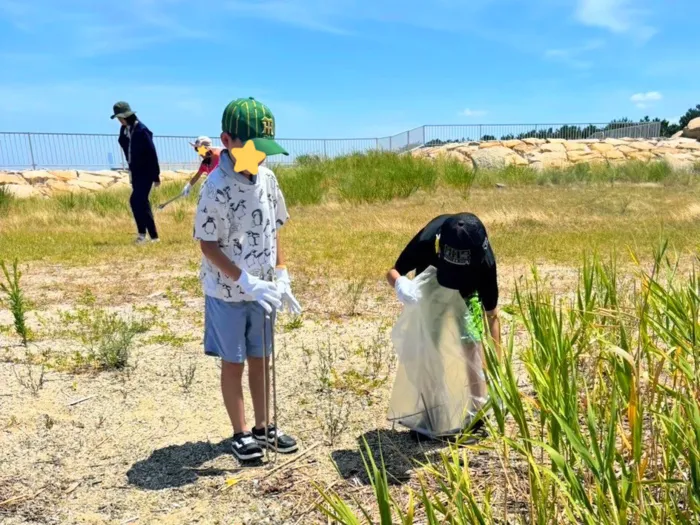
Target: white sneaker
{"type": "Point", "coordinates": [141, 239]}
{"type": "Point", "coordinates": [155, 240]}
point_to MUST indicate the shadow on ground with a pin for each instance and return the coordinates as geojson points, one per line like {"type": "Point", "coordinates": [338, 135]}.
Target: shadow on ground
{"type": "Point", "coordinates": [400, 453]}
{"type": "Point", "coordinates": [178, 465]}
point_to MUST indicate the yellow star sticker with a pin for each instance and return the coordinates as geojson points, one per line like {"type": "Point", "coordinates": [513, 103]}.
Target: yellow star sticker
{"type": "Point", "coordinates": [247, 158]}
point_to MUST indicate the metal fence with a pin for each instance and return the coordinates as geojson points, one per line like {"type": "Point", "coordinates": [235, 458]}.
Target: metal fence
{"type": "Point", "coordinates": [90, 151]}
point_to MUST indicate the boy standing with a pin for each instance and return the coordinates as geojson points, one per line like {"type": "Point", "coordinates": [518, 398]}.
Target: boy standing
{"type": "Point", "coordinates": [243, 273]}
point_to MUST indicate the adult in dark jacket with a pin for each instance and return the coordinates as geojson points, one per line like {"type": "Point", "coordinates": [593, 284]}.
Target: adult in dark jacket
{"type": "Point", "coordinates": [137, 142]}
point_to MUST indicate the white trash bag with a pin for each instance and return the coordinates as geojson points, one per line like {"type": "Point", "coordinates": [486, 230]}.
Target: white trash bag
{"type": "Point", "coordinates": [440, 384]}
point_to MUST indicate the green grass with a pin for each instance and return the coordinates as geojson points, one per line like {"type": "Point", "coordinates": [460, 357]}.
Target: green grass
{"type": "Point", "coordinates": [6, 199]}
{"type": "Point", "coordinates": [609, 431]}
{"type": "Point", "coordinates": [380, 177]}
{"type": "Point", "coordinates": [345, 210]}
{"type": "Point", "coordinates": [14, 296]}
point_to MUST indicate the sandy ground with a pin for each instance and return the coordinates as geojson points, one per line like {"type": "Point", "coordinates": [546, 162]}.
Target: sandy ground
{"type": "Point", "coordinates": [134, 447]}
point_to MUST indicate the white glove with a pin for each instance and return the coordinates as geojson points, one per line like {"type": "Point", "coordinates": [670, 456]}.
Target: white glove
{"type": "Point", "coordinates": [406, 291]}
{"type": "Point", "coordinates": [186, 190]}
{"type": "Point", "coordinates": [264, 292]}
{"type": "Point", "coordinates": [284, 287]}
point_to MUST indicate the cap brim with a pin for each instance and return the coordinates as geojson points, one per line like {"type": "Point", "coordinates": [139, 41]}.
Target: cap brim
{"type": "Point", "coordinates": [269, 147]}
{"type": "Point", "coordinates": [126, 114]}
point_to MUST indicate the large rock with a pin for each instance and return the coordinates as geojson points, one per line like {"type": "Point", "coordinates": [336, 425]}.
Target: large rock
{"type": "Point", "coordinates": [37, 176]}
{"type": "Point", "coordinates": [614, 155]}
{"type": "Point", "coordinates": [11, 178]}
{"type": "Point", "coordinates": [615, 142]}
{"type": "Point", "coordinates": [642, 145]}
{"type": "Point", "coordinates": [549, 159]}
{"type": "Point", "coordinates": [664, 150]}
{"type": "Point", "coordinates": [580, 157]}
{"type": "Point", "coordinates": [677, 134]}
{"type": "Point", "coordinates": [517, 160]}
{"type": "Point", "coordinates": [61, 186]}
{"type": "Point", "coordinates": [689, 145]}
{"type": "Point", "coordinates": [512, 143]}
{"type": "Point", "coordinates": [524, 147]}
{"type": "Point", "coordinates": [421, 152]}
{"type": "Point", "coordinates": [490, 144]}
{"type": "Point", "coordinates": [492, 158]}
{"type": "Point", "coordinates": [644, 156]}
{"type": "Point", "coordinates": [85, 185]}
{"type": "Point", "coordinates": [98, 178]}
{"type": "Point", "coordinates": [22, 191]}
{"type": "Point", "coordinates": [573, 145]}
{"type": "Point", "coordinates": [602, 147]}
{"type": "Point", "coordinates": [534, 142]}
{"type": "Point", "coordinates": [65, 174]}
{"type": "Point", "coordinates": [556, 141]}
{"type": "Point", "coordinates": [467, 150]}
{"type": "Point", "coordinates": [692, 130]}
{"type": "Point", "coordinates": [454, 155]}
{"type": "Point", "coordinates": [552, 147]}
{"type": "Point", "coordinates": [626, 150]}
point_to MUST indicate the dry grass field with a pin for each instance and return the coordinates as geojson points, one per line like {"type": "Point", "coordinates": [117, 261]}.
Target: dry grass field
{"type": "Point", "coordinates": [111, 413]}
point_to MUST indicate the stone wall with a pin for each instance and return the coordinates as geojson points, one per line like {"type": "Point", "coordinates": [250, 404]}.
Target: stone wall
{"type": "Point", "coordinates": [539, 154]}
{"type": "Point", "coordinates": [38, 183]}
{"type": "Point", "coordinates": [680, 153]}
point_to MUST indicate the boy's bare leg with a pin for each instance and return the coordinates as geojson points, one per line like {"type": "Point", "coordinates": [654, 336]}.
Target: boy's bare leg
{"type": "Point", "coordinates": [232, 392]}
{"type": "Point", "coordinates": [259, 382]}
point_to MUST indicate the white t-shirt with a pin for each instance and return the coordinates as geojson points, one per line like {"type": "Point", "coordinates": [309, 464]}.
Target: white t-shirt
{"type": "Point", "coordinates": [243, 217]}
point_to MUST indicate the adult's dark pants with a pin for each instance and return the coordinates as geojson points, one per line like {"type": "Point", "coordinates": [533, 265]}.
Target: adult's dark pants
{"type": "Point", "coordinates": [141, 208]}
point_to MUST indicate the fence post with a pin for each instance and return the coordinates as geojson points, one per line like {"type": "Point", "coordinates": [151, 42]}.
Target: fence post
{"type": "Point", "coordinates": [391, 148]}
{"type": "Point", "coordinates": [31, 151]}
{"type": "Point", "coordinates": [480, 135]}
{"type": "Point", "coordinates": [376, 141]}
{"type": "Point", "coordinates": [325, 151]}
{"type": "Point", "coordinates": [423, 136]}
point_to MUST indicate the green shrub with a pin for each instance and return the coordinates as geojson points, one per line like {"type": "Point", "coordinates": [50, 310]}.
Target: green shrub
{"type": "Point", "coordinates": [6, 199]}
{"type": "Point", "coordinates": [15, 298]}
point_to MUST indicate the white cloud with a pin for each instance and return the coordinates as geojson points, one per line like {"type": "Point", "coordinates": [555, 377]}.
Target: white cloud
{"type": "Point", "coordinates": [618, 16]}
{"type": "Point", "coordinates": [78, 30]}
{"type": "Point", "coordinates": [572, 56]}
{"type": "Point", "coordinates": [642, 100]}
{"type": "Point", "coordinates": [472, 113]}
{"type": "Point", "coordinates": [319, 16]}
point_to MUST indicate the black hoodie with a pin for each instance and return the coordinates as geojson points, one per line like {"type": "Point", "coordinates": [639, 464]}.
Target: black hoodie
{"type": "Point", "coordinates": [143, 161]}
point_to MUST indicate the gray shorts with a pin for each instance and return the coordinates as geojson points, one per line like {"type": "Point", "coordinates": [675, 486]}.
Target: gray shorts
{"type": "Point", "coordinates": [234, 331]}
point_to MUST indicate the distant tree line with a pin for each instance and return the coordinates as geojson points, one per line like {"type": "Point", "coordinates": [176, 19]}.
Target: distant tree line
{"type": "Point", "coordinates": [577, 132]}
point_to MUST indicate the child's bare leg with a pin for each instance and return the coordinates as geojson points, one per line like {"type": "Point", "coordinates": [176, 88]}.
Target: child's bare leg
{"type": "Point", "coordinates": [259, 381]}
{"type": "Point", "coordinates": [232, 392]}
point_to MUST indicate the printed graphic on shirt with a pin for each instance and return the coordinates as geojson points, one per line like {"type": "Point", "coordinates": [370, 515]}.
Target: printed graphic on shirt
{"type": "Point", "coordinates": [239, 216]}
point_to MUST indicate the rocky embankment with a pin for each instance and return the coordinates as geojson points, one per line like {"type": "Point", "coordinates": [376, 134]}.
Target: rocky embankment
{"type": "Point", "coordinates": [37, 183]}
{"type": "Point", "coordinates": [680, 153]}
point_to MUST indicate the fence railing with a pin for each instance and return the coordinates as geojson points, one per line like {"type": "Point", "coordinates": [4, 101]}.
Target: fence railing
{"type": "Point", "coordinates": [91, 151]}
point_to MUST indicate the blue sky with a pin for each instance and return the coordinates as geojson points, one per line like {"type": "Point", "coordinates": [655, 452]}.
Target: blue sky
{"type": "Point", "coordinates": [345, 68]}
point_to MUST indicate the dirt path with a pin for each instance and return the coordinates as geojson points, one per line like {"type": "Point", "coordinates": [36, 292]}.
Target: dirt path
{"type": "Point", "coordinates": [134, 447]}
